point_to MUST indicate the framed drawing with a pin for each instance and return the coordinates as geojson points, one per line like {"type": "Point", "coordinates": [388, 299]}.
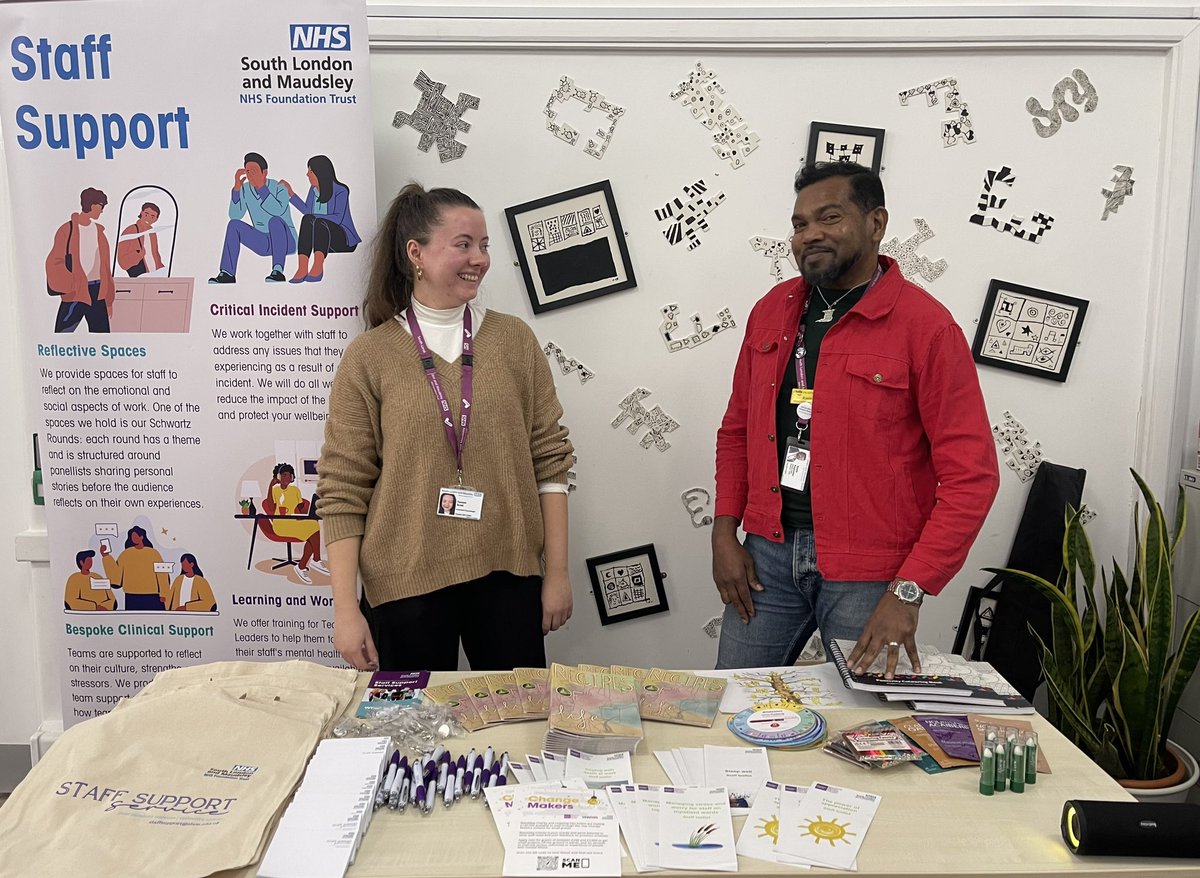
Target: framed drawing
{"type": "Point", "coordinates": [571, 247]}
{"type": "Point", "coordinates": [1028, 330]}
{"type": "Point", "coordinates": [627, 584]}
{"type": "Point", "coordinates": [829, 142]}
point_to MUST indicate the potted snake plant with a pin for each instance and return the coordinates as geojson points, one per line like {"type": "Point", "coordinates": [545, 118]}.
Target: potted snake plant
{"type": "Point", "coordinates": [1114, 667]}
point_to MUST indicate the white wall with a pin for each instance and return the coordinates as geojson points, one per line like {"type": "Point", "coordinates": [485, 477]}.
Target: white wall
{"type": "Point", "coordinates": [626, 495]}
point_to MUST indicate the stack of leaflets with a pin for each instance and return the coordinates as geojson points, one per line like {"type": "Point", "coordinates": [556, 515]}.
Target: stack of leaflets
{"type": "Point", "coordinates": [678, 696]}
{"type": "Point", "coordinates": [687, 828]}
{"type": "Point", "coordinates": [392, 689]}
{"type": "Point", "coordinates": [740, 770]}
{"type": "Point", "coordinates": [518, 695]}
{"type": "Point", "coordinates": [592, 711]}
{"type": "Point", "coordinates": [784, 728]}
{"type": "Point", "coordinates": [873, 745]}
{"type": "Point", "coordinates": [817, 825]}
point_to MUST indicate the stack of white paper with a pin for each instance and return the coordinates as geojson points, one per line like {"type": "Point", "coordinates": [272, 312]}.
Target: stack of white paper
{"type": "Point", "coordinates": [676, 827]}
{"type": "Point", "coordinates": [556, 827]}
{"type": "Point", "coordinates": [823, 825]}
{"type": "Point", "coordinates": [599, 771]}
{"type": "Point", "coordinates": [320, 831]}
{"type": "Point", "coordinates": [741, 770]}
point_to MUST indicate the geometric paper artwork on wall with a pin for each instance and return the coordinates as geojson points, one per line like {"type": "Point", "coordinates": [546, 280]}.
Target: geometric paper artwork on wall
{"type": "Point", "coordinates": [957, 128]}
{"type": "Point", "coordinates": [438, 120]}
{"type": "Point", "coordinates": [656, 421]}
{"type": "Point", "coordinates": [700, 333]}
{"type": "Point", "coordinates": [775, 249]}
{"type": "Point", "coordinates": [568, 366]}
{"type": "Point", "coordinates": [911, 264]}
{"type": "Point", "coordinates": [1082, 92]}
{"type": "Point", "coordinates": [695, 500]}
{"type": "Point", "coordinates": [688, 218]}
{"type": "Point", "coordinates": [1019, 456]}
{"type": "Point", "coordinates": [1014, 225]}
{"type": "Point", "coordinates": [592, 100]}
{"type": "Point", "coordinates": [1028, 330]}
{"type": "Point", "coordinates": [1122, 189]}
{"type": "Point", "coordinates": [701, 94]}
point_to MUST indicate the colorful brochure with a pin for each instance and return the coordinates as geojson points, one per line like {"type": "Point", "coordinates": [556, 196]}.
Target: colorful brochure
{"type": "Point", "coordinates": [827, 826]}
{"type": "Point", "coordinates": [680, 697]}
{"type": "Point", "coordinates": [392, 689]}
{"type": "Point", "coordinates": [695, 830]}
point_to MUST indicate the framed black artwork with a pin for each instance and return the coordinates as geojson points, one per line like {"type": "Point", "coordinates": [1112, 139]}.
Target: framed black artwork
{"type": "Point", "coordinates": [1028, 330]}
{"type": "Point", "coordinates": [831, 142]}
{"type": "Point", "coordinates": [571, 247]}
{"type": "Point", "coordinates": [627, 584]}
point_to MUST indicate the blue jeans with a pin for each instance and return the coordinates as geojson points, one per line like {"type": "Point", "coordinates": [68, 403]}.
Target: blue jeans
{"type": "Point", "coordinates": [277, 241]}
{"type": "Point", "coordinates": [795, 602]}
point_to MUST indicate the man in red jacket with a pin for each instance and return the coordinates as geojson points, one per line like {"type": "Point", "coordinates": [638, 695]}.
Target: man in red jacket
{"type": "Point", "coordinates": [855, 451]}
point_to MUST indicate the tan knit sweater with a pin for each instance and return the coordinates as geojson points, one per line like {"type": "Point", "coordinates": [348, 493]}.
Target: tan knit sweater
{"type": "Point", "coordinates": [386, 455]}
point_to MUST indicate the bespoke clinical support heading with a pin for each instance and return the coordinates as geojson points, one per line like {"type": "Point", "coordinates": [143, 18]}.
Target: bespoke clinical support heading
{"type": "Point", "coordinates": [83, 132]}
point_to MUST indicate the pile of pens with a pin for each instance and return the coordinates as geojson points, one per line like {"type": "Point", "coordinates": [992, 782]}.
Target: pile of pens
{"type": "Point", "coordinates": [437, 775]}
{"type": "Point", "coordinates": [1008, 759]}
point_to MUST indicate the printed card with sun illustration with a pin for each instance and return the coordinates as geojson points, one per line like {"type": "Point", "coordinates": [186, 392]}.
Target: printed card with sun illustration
{"type": "Point", "coordinates": [826, 826]}
{"type": "Point", "coordinates": [760, 832]}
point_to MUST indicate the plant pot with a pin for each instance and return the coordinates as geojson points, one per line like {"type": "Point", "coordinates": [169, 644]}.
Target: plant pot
{"type": "Point", "coordinates": [1172, 788]}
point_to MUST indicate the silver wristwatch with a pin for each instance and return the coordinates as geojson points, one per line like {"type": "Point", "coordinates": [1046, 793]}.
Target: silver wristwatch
{"type": "Point", "coordinates": [907, 592]}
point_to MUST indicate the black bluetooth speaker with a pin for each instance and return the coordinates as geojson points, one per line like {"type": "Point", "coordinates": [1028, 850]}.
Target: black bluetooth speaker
{"type": "Point", "coordinates": [1131, 829]}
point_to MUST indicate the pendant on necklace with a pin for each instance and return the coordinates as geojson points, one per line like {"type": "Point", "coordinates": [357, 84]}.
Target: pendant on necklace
{"type": "Point", "coordinates": [826, 316]}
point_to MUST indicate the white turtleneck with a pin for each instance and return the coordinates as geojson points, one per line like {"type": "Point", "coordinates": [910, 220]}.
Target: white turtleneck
{"type": "Point", "coordinates": [443, 335]}
{"type": "Point", "coordinates": [443, 328]}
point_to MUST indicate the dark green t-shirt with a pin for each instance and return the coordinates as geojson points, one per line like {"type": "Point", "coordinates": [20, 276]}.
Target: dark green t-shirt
{"type": "Point", "coordinates": [797, 505]}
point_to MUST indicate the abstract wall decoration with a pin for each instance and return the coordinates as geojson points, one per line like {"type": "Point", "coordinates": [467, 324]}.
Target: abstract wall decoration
{"type": "Point", "coordinates": [568, 366]}
{"type": "Point", "coordinates": [1029, 331]}
{"type": "Point", "coordinates": [957, 128]}
{"type": "Point", "coordinates": [1019, 456]}
{"type": "Point", "coordinates": [905, 253]}
{"type": "Point", "coordinates": [655, 420]}
{"type": "Point", "coordinates": [777, 250]}
{"type": "Point", "coordinates": [701, 94]}
{"type": "Point", "coordinates": [688, 218]}
{"type": "Point", "coordinates": [571, 474]}
{"type": "Point", "coordinates": [700, 333]}
{"type": "Point", "coordinates": [599, 140]}
{"type": "Point", "coordinates": [695, 501]}
{"type": "Point", "coordinates": [1122, 189]}
{"type": "Point", "coordinates": [438, 120]}
{"type": "Point", "coordinates": [1087, 514]}
{"type": "Point", "coordinates": [1082, 92]}
{"type": "Point", "coordinates": [829, 142]}
{"type": "Point", "coordinates": [571, 247]}
{"type": "Point", "coordinates": [712, 627]}
{"type": "Point", "coordinates": [1014, 225]}
{"type": "Point", "coordinates": [627, 584]}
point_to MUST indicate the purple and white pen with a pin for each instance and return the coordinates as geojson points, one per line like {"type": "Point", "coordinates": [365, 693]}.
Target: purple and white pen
{"type": "Point", "coordinates": [406, 787]}
{"type": "Point", "coordinates": [418, 796]}
{"type": "Point", "coordinates": [504, 764]}
{"type": "Point", "coordinates": [477, 780]}
{"type": "Point", "coordinates": [460, 771]}
{"type": "Point", "coordinates": [393, 795]}
{"type": "Point", "coordinates": [430, 798]}
{"type": "Point", "coordinates": [443, 769]}
{"type": "Point", "coordinates": [381, 796]}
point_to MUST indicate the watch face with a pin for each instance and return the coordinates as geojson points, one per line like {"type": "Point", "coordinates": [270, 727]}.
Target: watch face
{"type": "Point", "coordinates": [908, 591]}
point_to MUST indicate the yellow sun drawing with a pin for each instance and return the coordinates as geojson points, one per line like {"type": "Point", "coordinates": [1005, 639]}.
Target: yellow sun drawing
{"type": "Point", "coordinates": [769, 828]}
{"type": "Point", "coordinates": [828, 830]}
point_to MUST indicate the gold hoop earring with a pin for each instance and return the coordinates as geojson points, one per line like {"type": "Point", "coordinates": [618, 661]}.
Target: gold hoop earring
{"type": "Point", "coordinates": [420, 273]}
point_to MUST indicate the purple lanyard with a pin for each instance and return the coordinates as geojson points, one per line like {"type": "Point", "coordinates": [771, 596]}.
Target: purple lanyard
{"type": "Point", "coordinates": [457, 442]}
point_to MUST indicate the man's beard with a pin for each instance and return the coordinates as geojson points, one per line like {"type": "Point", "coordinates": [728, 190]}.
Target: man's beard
{"type": "Point", "coordinates": [825, 277]}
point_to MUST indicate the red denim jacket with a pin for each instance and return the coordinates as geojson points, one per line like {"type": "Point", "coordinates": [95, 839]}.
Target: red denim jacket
{"type": "Point", "coordinates": [903, 460]}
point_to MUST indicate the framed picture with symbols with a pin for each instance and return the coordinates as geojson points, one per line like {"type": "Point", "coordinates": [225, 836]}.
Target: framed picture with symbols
{"type": "Point", "coordinates": [1028, 330]}
{"type": "Point", "coordinates": [833, 142]}
{"type": "Point", "coordinates": [627, 584]}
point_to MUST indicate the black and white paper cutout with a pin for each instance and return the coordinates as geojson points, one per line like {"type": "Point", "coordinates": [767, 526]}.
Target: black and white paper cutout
{"type": "Point", "coordinates": [712, 627]}
{"type": "Point", "coordinates": [687, 218]}
{"type": "Point", "coordinates": [1019, 456]}
{"type": "Point", "coordinates": [695, 501]}
{"type": "Point", "coordinates": [571, 476]}
{"type": "Point", "coordinates": [598, 142]}
{"type": "Point", "coordinates": [1014, 225]}
{"type": "Point", "coordinates": [699, 334]}
{"type": "Point", "coordinates": [1122, 189]}
{"type": "Point", "coordinates": [911, 264]}
{"type": "Point", "coordinates": [957, 128]}
{"type": "Point", "coordinates": [1028, 330]}
{"type": "Point", "coordinates": [701, 94]}
{"type": "Point", "coordinates": [568, 366]}
{"type": "Point", "coordinates": [656, 421]}
{"type": "Point", "coordinates": [777, 250]}
{"type": "Point", "coordinates": [1087, 515]}
{"type": "Point", "coordinates": [438, 120]}
{"type": "Point", "coordinates": [1082, 92]}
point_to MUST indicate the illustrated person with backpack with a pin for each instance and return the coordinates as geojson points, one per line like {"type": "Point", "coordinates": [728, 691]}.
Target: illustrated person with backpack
{"type": "Point", "coordinates": [79, 268]}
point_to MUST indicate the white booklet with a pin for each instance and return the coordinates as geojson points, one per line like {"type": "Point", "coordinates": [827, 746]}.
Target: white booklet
{"type": "Point", "coordinates": [557, 841]}
{"type": "Point", "coordinates": [741, 770]}
{"type": "Point", "coordinates": [666, 758]}
{"type": "Point", "coordinates": [695, 829]}
{"type": "Point", "coordinates": [554, 765]}
{"type": "Point", "coordinates": [600, 771]}
{"type": "Point", "coordinates": [624, 802]}
{"type": "Point", "coordinates": [760, 832]}
{"type": "Point", "coordinates": [648, 806]}
{"type": "Point", "coordinates": [826, 826]}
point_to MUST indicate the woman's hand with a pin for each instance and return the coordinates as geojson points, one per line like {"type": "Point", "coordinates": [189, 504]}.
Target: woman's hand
{"type": "Point", "coordinates": [288, 186]}
{"type": "Point", "coordinates": [557, 601]}
{"type": "Point", "coordinates": [352, 640]}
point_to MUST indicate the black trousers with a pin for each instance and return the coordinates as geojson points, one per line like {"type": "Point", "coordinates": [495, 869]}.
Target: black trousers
{"type": "Point", "coordinates": [323, 235]}
{"type": "Point", "coordinates": [498, 618]}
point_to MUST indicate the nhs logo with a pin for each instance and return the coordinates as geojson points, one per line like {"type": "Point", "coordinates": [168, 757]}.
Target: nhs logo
{"type": "Point", "coordinates": [321, 37]}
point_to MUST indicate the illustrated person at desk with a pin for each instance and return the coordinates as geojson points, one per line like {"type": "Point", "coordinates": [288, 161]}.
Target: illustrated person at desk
{"type": "Point", "coordinates": [80, 593]}
{"type": "Point", "coordinates": [446, 505]}
{"type": "Point", "coordinates": [134, 572]}
{"type": "Point", "coordinates": [325, 224]}
{"type": "Point", "coordinates": [270, 230]}
{"type": "Point", "coordinates": [190, 591]}
{"type": "Point", "coordinates": [284, 498]}
{"type": "Point", "coordinates": [137, 248]}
